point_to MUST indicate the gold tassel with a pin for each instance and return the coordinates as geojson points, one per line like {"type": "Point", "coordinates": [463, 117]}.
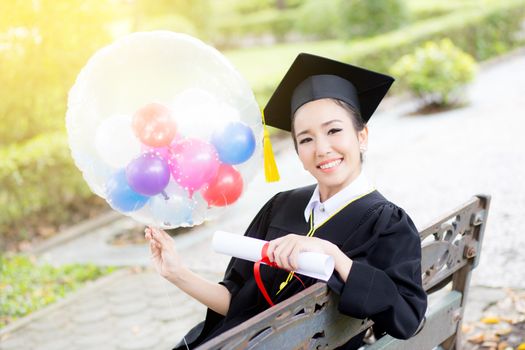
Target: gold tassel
{"type": "Point", "coordinates": [270, 167]}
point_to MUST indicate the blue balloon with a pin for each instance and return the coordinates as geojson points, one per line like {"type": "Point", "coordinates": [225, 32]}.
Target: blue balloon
{"type": "Point", "coordinates": [235, 143]}
{"type": "Point", "coordinates": [120, 196]}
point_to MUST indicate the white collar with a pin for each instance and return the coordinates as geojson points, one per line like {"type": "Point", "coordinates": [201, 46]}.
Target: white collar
{"type": "Point", "coordinates": [359, 187]}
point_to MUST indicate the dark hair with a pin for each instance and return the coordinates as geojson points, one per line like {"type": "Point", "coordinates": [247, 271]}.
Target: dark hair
{"type": "Point", "coordinates": [357, 120]}
{"type": "Point", "coordinates": [355, 117]}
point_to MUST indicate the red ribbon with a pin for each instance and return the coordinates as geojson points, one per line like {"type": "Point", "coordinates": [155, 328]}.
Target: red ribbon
{"type": "Point", "coordinates": [257, 273]}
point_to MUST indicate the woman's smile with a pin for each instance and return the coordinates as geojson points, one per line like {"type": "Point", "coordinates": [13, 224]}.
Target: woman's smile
{"type": "Point", "coordinates": [329, 165]}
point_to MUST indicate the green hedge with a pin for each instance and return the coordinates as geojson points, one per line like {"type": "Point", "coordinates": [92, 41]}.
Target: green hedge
{"type": "Point", "coordinates": [485, 33]}
{"type": "Point", "coordinates": [39, 174]}
{"type": "Point", "coordinates": [233, 28]}
{"type": "Point", "coordinates": [482, 32]}
{"type": "Point", "coordinates": [420, 10]}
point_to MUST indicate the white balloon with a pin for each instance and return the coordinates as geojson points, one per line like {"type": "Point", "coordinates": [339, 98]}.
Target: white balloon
{"type": "Point", "coordinates": [115, 142]}
{"type": "Point", "coordinates": [197, 104]}
{"type": "Point", "coordinates": [173, 207]}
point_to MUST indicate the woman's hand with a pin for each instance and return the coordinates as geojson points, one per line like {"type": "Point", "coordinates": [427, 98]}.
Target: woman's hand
{"type": "Point", "coordinates": [284, 251]}
{"type": "Point", "coordinates": [165, 258]}
{"type": "Point", "coordinates": [169, 265]}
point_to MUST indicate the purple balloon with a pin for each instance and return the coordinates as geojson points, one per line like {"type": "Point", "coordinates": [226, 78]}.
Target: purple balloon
{"type": "Point", "coordinates": [148, 174]}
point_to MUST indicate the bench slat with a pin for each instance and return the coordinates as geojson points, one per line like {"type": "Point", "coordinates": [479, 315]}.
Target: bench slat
{"type": "Point", "coordinates": [442, 322]}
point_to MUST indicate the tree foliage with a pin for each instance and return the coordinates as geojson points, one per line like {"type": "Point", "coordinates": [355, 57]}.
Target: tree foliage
{"type": "Point", "coordinates": [43, 45]}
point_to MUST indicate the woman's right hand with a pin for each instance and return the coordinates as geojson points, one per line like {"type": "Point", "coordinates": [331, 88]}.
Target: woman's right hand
{"type": "Point", "coordinates": [166, 260]}
{"type": "Point", "coordinates": [169, 265]}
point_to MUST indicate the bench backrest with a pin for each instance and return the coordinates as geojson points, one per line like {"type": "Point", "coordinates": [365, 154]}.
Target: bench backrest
{"type": "Point", "coordinates": [451, 248]}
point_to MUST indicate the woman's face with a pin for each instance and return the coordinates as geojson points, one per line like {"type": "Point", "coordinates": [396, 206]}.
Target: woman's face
{"type": "Point", "coordinates": [328, 144]}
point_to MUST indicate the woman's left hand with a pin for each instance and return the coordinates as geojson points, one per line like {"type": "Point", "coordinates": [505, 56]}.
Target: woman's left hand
{"type": "Point", "coordinates": [285, 250]}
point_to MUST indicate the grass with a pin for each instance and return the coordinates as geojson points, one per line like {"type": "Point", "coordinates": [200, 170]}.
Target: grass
{"type": "Point", "coordinates": [26, 286]}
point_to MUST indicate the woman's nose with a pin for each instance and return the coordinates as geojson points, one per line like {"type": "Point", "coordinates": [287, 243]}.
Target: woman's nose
{"type": "Point", "coordinates": [322, 146]}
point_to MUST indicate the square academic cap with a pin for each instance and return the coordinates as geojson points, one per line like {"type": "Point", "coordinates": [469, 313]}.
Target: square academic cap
{"type": "Point", "coordinates": [313, 77]}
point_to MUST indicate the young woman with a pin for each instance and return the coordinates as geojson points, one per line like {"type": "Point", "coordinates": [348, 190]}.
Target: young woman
{"type": "Point", "coordinates": [375, 245]}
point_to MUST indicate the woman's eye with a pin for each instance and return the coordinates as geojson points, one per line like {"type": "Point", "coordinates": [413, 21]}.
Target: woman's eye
{"type": "Point", "coordinates": [305, 140]}
{"type": "Point", "coordinates": [333, 131]}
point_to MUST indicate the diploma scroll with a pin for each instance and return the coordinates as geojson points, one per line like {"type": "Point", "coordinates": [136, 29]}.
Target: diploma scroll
{"type": "Point", "coordinates": [316, 265]}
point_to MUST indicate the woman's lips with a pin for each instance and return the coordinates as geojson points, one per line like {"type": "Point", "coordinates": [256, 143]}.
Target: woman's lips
{"type": "Point", "coordinates": [329, 165]}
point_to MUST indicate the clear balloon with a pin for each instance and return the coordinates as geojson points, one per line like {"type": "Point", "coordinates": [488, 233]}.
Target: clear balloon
{"type": "Point", "coordinates": [97, 172]}
{"type": "Point", "coordinates": [148, 174]}
{"type": "Point", "coordinates": [193, 163]}
{"type": "Point", "coordinates": [178, 89]}
{"type": "Point", "coordinates": [225, 189]}
{"type": "Point", "coordinates": [234, 142]}
{"type": "Point", "coordinates": [121, 196]}
{"type": "Point", "coordinates": [154, 125]}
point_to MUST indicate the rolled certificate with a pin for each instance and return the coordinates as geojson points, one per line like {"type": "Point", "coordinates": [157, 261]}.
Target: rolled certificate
{"type": "Point", "coordinates": [316, 265]}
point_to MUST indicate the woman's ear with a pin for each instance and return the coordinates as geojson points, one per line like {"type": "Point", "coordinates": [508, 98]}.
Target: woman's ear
{"type": "Point", "coordinates": [362, 137]}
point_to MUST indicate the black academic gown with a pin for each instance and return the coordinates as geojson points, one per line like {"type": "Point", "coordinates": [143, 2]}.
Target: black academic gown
{"type": "Point", "coordinates": [384, 283]}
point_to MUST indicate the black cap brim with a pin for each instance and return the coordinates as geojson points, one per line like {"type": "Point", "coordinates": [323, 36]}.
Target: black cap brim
{"type": "Point", "coordinates": [370, 88]}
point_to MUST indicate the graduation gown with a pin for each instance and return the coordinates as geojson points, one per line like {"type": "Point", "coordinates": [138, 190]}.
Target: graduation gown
{"type": "Point", "coordinates": [384, 282]}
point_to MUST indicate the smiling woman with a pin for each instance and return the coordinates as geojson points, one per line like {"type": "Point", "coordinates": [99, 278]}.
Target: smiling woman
{"type": "Point", "coordinates": [328, 144]}
{"type": "Point", "coordinates": [374, 243]}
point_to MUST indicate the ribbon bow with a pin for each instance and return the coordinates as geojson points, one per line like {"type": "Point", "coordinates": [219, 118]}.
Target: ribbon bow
{"type": "Point", "coordinates": [257, 273]}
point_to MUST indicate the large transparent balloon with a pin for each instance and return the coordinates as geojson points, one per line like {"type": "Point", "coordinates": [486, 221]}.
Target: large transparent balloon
{"type": "Point", "coordinates": [164, 128]}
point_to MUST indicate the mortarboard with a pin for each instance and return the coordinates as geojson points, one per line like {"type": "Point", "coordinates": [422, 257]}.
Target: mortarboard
{"type": "Point", "coordinates": [312, 77]}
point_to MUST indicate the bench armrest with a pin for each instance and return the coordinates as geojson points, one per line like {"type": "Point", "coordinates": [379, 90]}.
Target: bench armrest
{"type": "Point", "coordinates": [307, 320]}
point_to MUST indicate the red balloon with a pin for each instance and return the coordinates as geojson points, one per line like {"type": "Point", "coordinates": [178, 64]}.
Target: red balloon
{"type": "Point", "coordinates": [225, 188]}
{"type": "Point", "coordinates": [154, 125]}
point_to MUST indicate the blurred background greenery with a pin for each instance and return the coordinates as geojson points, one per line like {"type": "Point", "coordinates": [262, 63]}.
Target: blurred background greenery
{"type": "Point", "coordinates": [45, 43]}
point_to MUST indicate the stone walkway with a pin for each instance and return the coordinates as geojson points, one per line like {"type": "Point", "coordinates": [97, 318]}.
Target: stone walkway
{"type": "Point", "coordinates": [426, 164]}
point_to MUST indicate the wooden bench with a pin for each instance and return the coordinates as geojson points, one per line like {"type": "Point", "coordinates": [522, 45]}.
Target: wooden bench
{"type": "Point", "coordinates": [451, 249]}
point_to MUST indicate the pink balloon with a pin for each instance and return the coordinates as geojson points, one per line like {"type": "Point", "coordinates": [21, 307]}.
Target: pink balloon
{"type": "Point", "coordinates": [193, 163]}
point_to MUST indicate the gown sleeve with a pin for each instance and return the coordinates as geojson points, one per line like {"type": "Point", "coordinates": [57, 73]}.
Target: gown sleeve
{"type": "Point", "coordinates": [239, 270]}
{"type": "Point", "coordinates": [384, 284]}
